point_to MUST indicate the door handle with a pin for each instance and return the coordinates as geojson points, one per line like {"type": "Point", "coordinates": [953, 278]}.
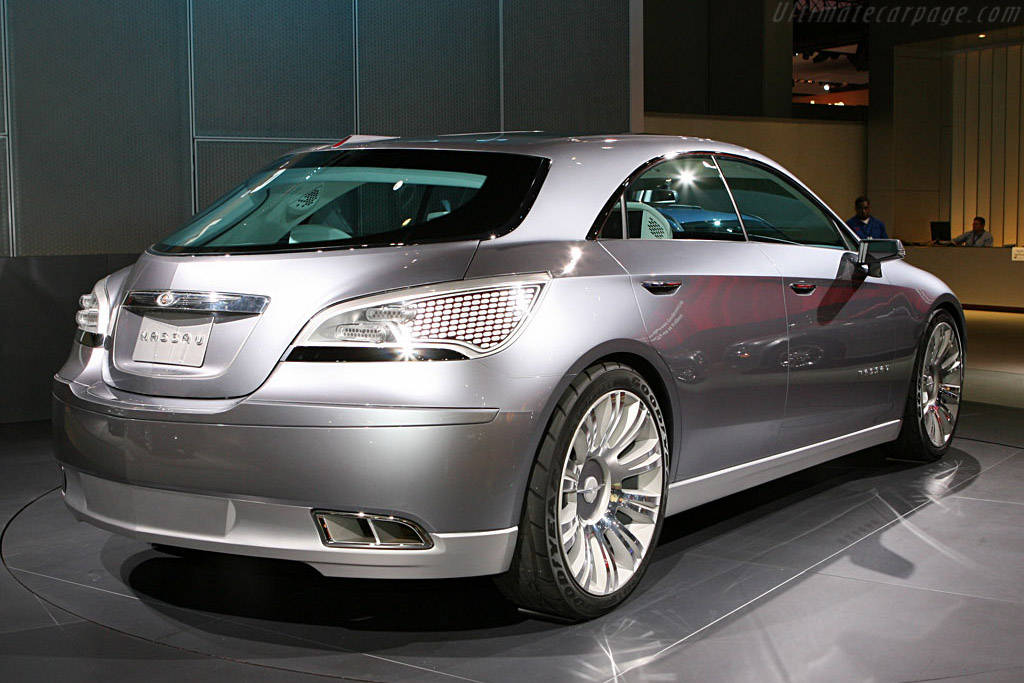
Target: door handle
{"type": "Point", "coordinates": [661, 286]}
{"type": "Point", "coordinates": [803, 288]}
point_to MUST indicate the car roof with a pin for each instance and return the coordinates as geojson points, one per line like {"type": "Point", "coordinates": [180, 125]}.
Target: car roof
{"type": "Point", "coordinates": [552, 146]}
{"type": "Point", "coordinates": [584, 173]}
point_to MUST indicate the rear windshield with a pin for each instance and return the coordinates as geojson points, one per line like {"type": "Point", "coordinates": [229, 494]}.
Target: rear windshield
{"type": "Point", "coordinates": [326, 199]}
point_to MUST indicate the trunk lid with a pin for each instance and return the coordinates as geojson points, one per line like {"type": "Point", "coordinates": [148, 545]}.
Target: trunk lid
{"type": "Point", "coordinates": [216, 326]}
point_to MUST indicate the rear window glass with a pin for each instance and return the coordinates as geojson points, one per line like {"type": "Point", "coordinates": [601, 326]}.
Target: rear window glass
{"type": "Point", "coordinates": [328, 199]}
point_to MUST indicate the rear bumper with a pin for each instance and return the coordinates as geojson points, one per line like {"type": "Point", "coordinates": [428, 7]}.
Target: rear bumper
{"type": "Point", "coordinates": [244, 475]}
{"type": "Point", "coordinates": [265, 529]}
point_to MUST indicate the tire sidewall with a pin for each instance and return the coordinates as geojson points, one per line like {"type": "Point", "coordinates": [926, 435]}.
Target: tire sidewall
{"type": "Point", "coordinates": [584, 603]}
{"type": "Point", "coordinates": [913, 403]}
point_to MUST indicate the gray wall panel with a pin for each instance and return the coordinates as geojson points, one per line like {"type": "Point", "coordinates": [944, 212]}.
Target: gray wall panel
{"type": "Point", "coordinates": [676, 68]}
{"type": "Point", "coordinates": [5, 219]}
{"type": "Point", "coordinates": [3, 75]}
{"type": "Point", "coordinates": [100, 123]}
{"type": "Point", "coordinates": [221, 166]}
{"type": "Point", "coordinates": [428, 67]}
{"type": "Point", "coordinates": [37, 346]}
{"type": "Point", "coordinates": [106, 114]}
{"type": "Point", "coordinates": [266, 68]}
{"type": "Point", "coordinates": [567, 69]}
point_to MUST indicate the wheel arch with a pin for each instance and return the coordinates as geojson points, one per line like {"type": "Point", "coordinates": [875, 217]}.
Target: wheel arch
{"type": "Point", "coordinates": [656, 380]}
{"type": "Point", "coordinates": [951, 305]}
{"type": "Point", "coordinates": [647, 363]}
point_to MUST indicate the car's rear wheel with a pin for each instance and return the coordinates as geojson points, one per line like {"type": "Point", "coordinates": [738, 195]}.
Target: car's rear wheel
{"type": "Point", "coordinates": [933, 403]}
{"type": "Point", "coordinates": [595, 501]}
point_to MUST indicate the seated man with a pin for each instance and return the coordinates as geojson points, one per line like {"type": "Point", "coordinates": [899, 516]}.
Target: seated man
{"type": "Point", "coordinates": [864, 224]}
{"type": "Point", "coordinates": [976, 237]}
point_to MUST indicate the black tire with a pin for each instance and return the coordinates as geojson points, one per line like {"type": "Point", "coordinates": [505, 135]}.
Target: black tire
{"type": "Point", "coordinates": [548, 571]}
{"type": "Point", "coordinates": [918, 440]}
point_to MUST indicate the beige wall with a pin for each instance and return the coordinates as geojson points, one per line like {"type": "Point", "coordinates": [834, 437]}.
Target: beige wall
{"type": "Point", "coordinates": [829, 156]}
{"type": "Point", "coordinates": [958, 145]}
{"type": "Point", "coordinates": [987, 144]}
{"type": "Point", "coordinates": [917, 133]}
{"type": "Point", "coordinates": [979, 277]}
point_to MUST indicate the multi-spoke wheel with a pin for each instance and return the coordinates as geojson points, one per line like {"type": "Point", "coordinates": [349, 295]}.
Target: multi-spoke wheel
{"type": "Point", "coordinates": [595, 503]}
{"type": "Point", "coordinates": [938, 387]}
{"type": "Point", "coordinates": [612, 482]}
{"type": "Point", "coordinates": [934, 400]}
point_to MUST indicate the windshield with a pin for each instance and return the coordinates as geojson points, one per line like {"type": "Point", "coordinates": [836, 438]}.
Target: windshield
{"type": "Point", "coordinates": [337, 198]}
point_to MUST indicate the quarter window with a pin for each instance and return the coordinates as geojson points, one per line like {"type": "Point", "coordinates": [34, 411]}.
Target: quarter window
{"type": "Point", "coordinates": [774, 210]}
{"type": "Point", "coordinates": [683, 198]}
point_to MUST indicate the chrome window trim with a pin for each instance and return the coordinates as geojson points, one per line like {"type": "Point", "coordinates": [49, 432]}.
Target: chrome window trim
{"type": "Point", "coordinates": [732, 199]}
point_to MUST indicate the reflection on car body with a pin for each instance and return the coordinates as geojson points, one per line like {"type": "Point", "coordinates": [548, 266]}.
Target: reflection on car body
{"type": "Point", "coordinates": [496, 354]}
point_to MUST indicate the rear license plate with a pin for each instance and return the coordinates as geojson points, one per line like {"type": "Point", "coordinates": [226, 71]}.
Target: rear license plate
{"type": "Point", "coordinates": [173, 339]}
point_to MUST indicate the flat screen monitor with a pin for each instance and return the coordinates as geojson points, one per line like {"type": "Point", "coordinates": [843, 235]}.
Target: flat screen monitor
{"type": "Point", "coordinates": [940, 231]}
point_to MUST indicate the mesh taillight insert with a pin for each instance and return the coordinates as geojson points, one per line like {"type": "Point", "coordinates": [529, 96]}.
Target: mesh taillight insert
{"type": "Point", "coordinates": [483, 319]}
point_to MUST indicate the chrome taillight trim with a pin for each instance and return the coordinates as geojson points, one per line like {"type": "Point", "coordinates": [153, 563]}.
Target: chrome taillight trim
{"type": "Point", "coordinates": [200, 302]}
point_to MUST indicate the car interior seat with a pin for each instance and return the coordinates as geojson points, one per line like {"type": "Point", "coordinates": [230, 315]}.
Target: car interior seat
{"type": "Point", "coordinates": [653, 225]}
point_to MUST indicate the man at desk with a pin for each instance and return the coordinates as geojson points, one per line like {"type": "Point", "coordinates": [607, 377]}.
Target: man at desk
{"type": "Point", "coordinates": [864, 224]}
{"type": "Point", "coordinates": [976, 237]}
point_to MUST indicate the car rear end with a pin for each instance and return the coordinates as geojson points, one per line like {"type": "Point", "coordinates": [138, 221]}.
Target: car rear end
{"type": "Point", "coordinates": [302, 371]}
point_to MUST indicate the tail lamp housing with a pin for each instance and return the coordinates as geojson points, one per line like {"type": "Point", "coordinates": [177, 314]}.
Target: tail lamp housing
{"type": "Point", "coordinates": [466, 319]}
{"type": "Point", "coordinates": [93, 316]}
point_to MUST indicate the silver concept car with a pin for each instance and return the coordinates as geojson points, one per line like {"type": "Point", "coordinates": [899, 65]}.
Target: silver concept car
{"type": "Point", "coordinates": [496, 354]}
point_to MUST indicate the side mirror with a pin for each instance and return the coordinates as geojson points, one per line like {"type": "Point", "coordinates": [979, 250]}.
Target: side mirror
{"type": "Point", "coordinates": [872, 252]}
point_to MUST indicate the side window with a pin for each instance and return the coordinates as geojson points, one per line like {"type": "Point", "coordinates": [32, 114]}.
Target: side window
{"type": "Point", "coordinates": [774, 210]}
{"type": "Point", "coordinates": [683, 198]}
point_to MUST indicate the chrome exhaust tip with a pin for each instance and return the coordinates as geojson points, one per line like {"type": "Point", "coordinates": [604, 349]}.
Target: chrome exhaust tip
{"type": "Point", "coordinates": [362, 530]}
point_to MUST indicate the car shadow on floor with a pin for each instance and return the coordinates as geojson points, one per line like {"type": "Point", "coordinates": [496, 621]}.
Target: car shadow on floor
{"type": "Point", "coordinates": [293, 592]}
{"type": "Point", "coordinates": [820, 514]}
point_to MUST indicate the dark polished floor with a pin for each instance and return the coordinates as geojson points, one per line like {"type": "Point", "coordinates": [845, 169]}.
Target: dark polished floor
{"type": "Point", "coordinates": [995, 364]}
{"type": "Point", "coordinates": [858, 570]}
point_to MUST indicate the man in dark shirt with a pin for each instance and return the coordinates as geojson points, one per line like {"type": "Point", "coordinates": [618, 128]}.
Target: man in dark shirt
{"type": "Point", "coordinates": [864, 224]}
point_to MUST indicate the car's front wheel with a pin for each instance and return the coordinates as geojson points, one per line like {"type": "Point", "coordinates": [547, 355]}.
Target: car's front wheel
{"type": "Point", "coordinates": [595, 501]}
{"type": "Point", "coordinates": [933, 402]}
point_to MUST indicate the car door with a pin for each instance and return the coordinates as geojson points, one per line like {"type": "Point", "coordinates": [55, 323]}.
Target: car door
{"type": "Point", "coordinates": [840, 319]}
{"type": "Point", "coordinates": [712, 303]}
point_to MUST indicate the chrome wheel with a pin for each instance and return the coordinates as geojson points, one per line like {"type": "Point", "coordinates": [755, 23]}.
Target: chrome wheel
{"type": "Point", "coordinates": [938, 385]}
{"type": "Point", "coordinates": [610, 500]}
